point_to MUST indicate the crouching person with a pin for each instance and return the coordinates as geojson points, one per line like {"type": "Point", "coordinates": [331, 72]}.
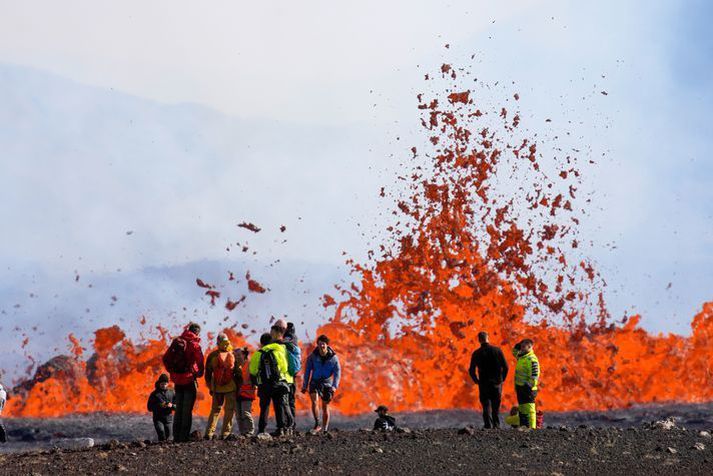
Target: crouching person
{"type": "Point", "coordinates": [245, 393]}
{"type": "Point", "coordinates": [384, 422]}
{"type": "Point", "coordinates": [219, 369]}
{"type": "Point", "coordinates": [162, 403]}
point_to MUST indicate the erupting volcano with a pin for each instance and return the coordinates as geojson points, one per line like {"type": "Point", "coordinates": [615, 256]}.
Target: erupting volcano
{"type": "Point", "coordinates": [485, 238]}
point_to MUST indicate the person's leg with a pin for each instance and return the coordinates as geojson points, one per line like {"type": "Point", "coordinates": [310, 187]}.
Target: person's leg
{"type": "Point", "coordinates": [325, 415]}
{"type": "Point", "coordinates": [265, 400]}
{"type": "Point", "coordinates": [3, 433]}
{"type": "Point", "coordinates": [484, 397]}
{"type": "Point", "coordinates": [496, 396]}
{"type": "Point", "coordinates": [279, 402]}
{"type": "Point", "coordinates": [215, 406]}
{"type": "Point", "coordinates": [229, 413]}
{"type": "Point", "coordinates": [158, 425]}
{"type": "Point", "coordinates": [178, 418]}
{"type": "Point", "coordinates": [189, 400]}
{"type": "Point", "coordinates": [315, 409]}
{"type": "Point", "coordinates": [167, 424]}
{"type": "Point", "coordinates": [526, 406]}
{"type": "Point", "coordinates": [287, 417]}
{"type": "Point", "coordinates": [246, 425]}
{"type": "Point", "coordinates": [293, 391]}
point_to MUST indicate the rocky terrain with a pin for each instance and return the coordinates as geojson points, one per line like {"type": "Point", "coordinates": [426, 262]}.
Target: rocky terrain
{"type": "Point", "coordinates": [629, 442]}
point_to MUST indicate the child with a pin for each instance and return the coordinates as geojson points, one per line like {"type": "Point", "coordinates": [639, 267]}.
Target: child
{"type": "Point", "coordinates": [162, 403]}
{"type": "Point", "coordinates": [246, 392]}
{"type": "Point", "coordinates": [385, 421]}
{"type": "Point", "coordinates": [3, 398]}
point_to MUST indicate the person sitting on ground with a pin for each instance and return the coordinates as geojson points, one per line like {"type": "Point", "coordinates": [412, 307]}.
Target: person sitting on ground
{"type": "Point", "coordinates": [162, 403]}
{"type": "Point", "coordinates": [3, 399]}
{"type": "Point", "coordinates": [514, 418]}
{"type": "Point", "coordinates": [184, 362]}
{"type": "Point", "coordinates": [384, 422]}
{"type": "Point", "coordinates": [269, 369]}
{"type": "Point", "coordinates": [322, 376]}
{"type": "Point", "coordinates": [219, 377]}
{"type": "Point", "coordinates": [245, 393]}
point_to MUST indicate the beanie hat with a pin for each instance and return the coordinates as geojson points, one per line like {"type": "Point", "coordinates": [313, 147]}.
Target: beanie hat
{"type": "Point", "coordinates": [163, 378]}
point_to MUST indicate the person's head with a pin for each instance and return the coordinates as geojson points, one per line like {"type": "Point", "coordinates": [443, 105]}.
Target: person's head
{"type": "Point", "coordinates": [241, 355]}
{"type": "Point", "coordinates": [195, 328]}
{"type": "Point", "coordinates": [483, 337]}
{"type": "Point", "coordinates": [277, 332]}
{"type": "Point", "coordinates": [223, 343]}
{"type": "Point", "coordinates": [265, 339]}
{"type": "Point", "coordinates": [526, 346]}
{"type": "Point", "coordinates": [382, 410]}
{"type": "Point", "coordinates": [323, 344]}
{"type": "Point", "coordinates": [281, 323]}
{"type": "Point", "coordinates": [289, 332]}
{"type": "Point", "coordinates": [162, 381]}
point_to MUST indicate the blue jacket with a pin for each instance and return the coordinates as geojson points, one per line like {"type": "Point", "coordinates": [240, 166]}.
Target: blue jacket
{"type": "Point", "coordinates": [322, 368]}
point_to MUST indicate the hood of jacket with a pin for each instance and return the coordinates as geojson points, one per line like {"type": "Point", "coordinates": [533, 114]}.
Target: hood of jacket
{"type": "Point", "coordinates": [324, 358]}
{"type": "Point", "coordinates": [191, 337]}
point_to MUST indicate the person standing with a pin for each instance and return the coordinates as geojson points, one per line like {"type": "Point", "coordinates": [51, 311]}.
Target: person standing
{"type": "Point", "coordinates": [488, 369]}
{"type": "Point", "coordinates": [184, 362]}
{"type": "Point", "coordinates": [286, 336]}
{"type": "Point", "coordinates": [268, 366]}
{"type": "Point", "coordinates": [322, 375]}
{"type": "Point", "coordinates": [245, 393]}
{"type": "Point", "coordinates": [219, 376]}
{"type": "Point", "coordinates": [162, 403]}
{"type": "Point", "coordinates": [527, 376]}
{"type": "Point", "coordinates": [3, 399]}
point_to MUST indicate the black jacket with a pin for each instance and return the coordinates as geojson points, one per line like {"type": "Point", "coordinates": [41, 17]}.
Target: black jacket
{"type": "Point", "coordinates": [158, 397]}
{"type": "Point", "coordinates": [491, 365]}
{"type": "Point", "coordinates": [386, 422]}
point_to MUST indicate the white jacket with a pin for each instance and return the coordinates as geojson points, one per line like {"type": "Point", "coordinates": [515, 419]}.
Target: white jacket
{"type": "Point", "coordinates": [3, 398]}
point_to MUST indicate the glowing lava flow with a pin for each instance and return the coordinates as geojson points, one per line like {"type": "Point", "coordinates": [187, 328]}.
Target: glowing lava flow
{"type": "Point", "coordinates": [486, 240]}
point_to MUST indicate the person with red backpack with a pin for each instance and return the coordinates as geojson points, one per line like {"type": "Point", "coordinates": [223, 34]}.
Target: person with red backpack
{"type": "Point", "coordinates": [184, 362]}
{"type": "Point", "coordinates": [219, 369]}
{"type": "Point", "coordinates": [245, 392]}
{"type": "Point", "coordinates": [269, 369]}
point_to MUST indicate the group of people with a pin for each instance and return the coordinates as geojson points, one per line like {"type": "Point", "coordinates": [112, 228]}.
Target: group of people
{"type": "Point", "coordinates": [489, 368]}
{"type": "Point", "coordinates": [235, 379]}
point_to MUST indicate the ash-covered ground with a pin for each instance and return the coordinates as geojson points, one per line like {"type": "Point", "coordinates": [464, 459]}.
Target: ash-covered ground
{"type": "Point", "coordinates": [614, 442]}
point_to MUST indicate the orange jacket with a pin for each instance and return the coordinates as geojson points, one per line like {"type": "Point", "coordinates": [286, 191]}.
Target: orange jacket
{"type": "Point", "coordinates": [246, 391]}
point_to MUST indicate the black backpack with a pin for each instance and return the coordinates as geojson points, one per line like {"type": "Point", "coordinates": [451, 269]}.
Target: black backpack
{"type": "Point", "coordinates": [268, 371]}
{"type": "Point", "coordinates": [175, 357]}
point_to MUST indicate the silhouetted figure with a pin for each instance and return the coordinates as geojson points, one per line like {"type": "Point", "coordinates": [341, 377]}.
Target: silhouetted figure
{"type": "Point", "coordinates": [492, 369]}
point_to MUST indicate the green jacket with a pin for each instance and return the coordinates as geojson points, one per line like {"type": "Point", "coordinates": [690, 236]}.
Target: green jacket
{"type": "Point", "coordinates": [527, 370]}
{"type": "Point", "coordinates": [280, 352]}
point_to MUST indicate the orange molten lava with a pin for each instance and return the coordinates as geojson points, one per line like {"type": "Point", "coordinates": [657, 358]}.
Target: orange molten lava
{"type": "Point", "coordinates": [486, 240]}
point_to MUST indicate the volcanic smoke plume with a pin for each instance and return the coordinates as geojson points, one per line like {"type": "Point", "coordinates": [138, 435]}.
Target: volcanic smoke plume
{"type": "Point", "coordinates": [485, 238]}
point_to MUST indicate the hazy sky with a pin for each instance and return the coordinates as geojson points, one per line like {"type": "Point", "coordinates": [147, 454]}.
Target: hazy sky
{"type": "Point", "coordinates": [175, 121]}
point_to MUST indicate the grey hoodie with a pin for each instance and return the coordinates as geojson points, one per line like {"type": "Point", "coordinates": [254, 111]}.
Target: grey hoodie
{"type": "Point", "coordinates": [3, 398]}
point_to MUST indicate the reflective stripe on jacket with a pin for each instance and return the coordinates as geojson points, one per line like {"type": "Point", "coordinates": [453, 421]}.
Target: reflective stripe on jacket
{"type": "Point", "coordinates": [527, 370]}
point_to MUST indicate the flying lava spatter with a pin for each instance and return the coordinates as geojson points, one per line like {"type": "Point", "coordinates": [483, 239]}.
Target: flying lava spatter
{"type": "Point", "coordinates": [486, 239]}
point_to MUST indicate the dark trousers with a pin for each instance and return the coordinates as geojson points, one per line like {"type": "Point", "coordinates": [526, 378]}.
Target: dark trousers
{"type": "Point", "coordinates": [291, 398]}
{"type": "Point", "coordinates": [183, 420]}
{"type": "Point", "coordinates": [279, 397]}
{"type": "Point", "coordinates": [162, 424]}
{"type": "Point", "coordinates": [3, 434]}
{"type": "Point", "coordinates": [490, 396]}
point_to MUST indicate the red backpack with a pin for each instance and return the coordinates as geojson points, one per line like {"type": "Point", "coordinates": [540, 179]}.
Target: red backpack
{"type": "Point", "coordinates": [223, 370]}
{"type": "Point", "coordinates": [175, 359]}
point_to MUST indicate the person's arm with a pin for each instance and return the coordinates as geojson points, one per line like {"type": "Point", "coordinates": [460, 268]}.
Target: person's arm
{"type": "Point", "coordinates": [199, 361]}
{"type": "Point", "coordinates": [151, 404]}
{"type": "Point", "coordinates": [308, 373]}
{"type": "Point", "coordinates": [503, 364]}
{"type": "Point", "coordinates": [208, 370]}
{"type": "Point", "coordinates": [254, 363]}
{"type": "Point", "coordinates": [337, 373]}
{"type": "Point", "coordinates": [472, 368]}
{"type": "Point", "coordinates": [534, 371]}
